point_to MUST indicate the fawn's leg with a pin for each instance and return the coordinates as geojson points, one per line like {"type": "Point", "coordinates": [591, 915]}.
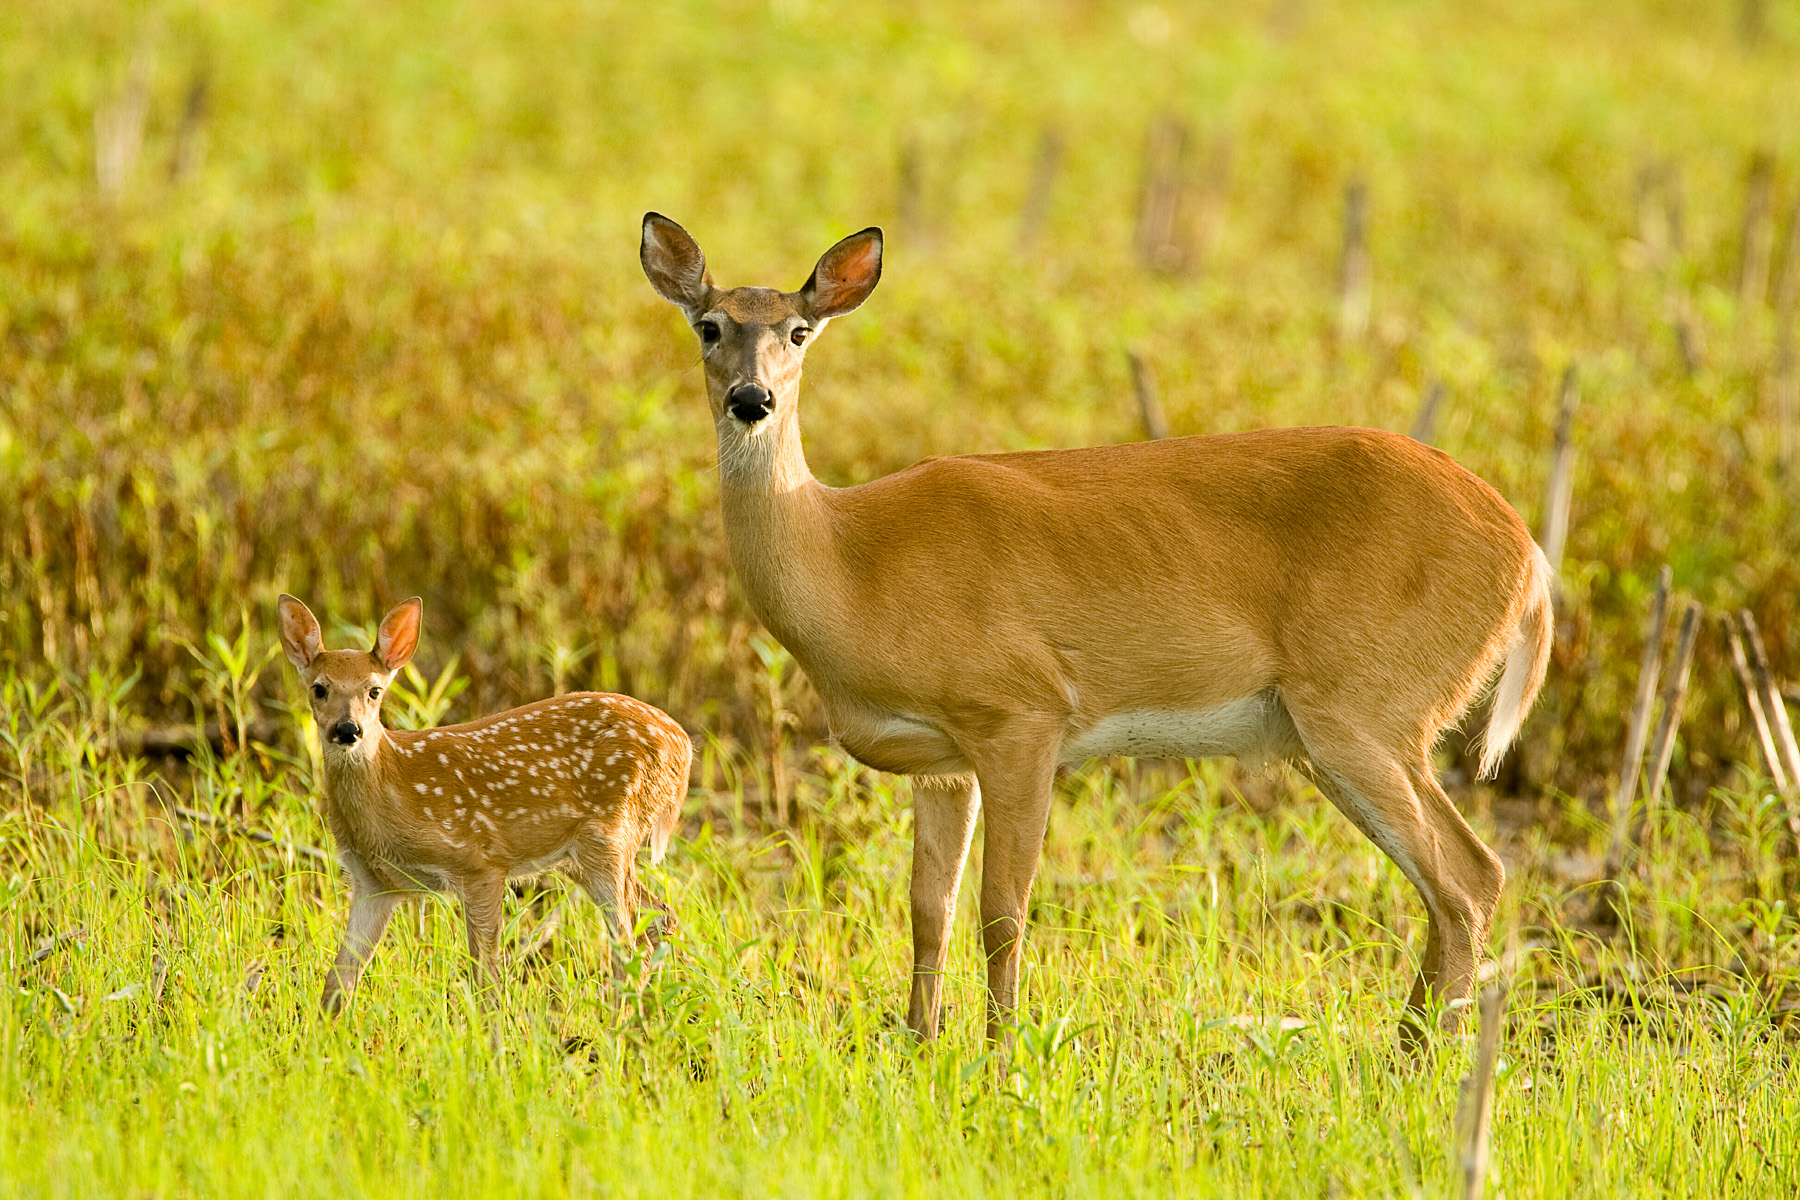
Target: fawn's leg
{"type": "Point", "coordinates": [606, 877]}
{"type": "Point", "coordinates": [484, 900]}
{"type": "Point", "coordinates": [370, 908]}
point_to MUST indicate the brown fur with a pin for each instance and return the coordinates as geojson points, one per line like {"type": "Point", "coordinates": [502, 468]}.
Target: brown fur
{"type": "Point", "coordinates": [1332, 596]}
{"type": "Point", "coordinates": [575, 783]}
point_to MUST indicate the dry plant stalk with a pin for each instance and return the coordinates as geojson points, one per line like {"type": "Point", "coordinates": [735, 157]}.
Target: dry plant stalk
{"type": "Point", "coordinates": [1785, 386]}
{"type": "Point", "coordinates": [1477, 1092]}
{"type": "Point", "coordinates": [1756, 241]}
{"type": "Point", "coordinates": [1354, 285]}
{"type": "Point", "coordinates": [1740, 663]}
{"type": "Point", "coordinates": [1150, 409]}
{"type": "Point", "coordinates": [190, 136]}
{"type": "Point", "coordinates": [1674, 699]}
{"type": "Point", "coordinates": [1661, 230]}
{"type": "Point", "coordinates": [1781, 729]}
{"type": "Point", "coordinates": [1044, 170]}
{"type": "Point", "coordinates": [1159, 242]}
{"type": "Point", "coordinates": [1608, 902]}
{"type": "Point", "coordinates": [1426, 417]}
{"type": "Point", "coordinates": [1662, 746]}
{"type": "Point", "coordinates": [1759, 717]}
{"type": "Point", "coordinates": [1559, 492]}
{"type": "Point", "coordinates": [119, 127]}
{"type": "Point", "coordinates": [194, 816]}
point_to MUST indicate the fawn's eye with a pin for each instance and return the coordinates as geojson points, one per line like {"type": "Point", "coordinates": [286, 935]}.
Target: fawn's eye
{"type": "Point", "coordinates": [709, 333]}
{"type": "Point", "coordinates": [374, 693]}
{"type": "Point", "coordinates": [318, 691]}
{"type": "Point", "coordinates": [799, 336]}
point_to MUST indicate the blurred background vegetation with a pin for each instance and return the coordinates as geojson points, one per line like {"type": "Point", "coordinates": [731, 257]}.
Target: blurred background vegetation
{"type": "Point", "coordinates": [343, 299]}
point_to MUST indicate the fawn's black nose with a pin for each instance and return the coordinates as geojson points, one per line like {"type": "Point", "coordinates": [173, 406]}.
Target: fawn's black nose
{"type": "Point", "coordinates": [749, 402]}
{"type": "Point", "coordinates": [345, 733]}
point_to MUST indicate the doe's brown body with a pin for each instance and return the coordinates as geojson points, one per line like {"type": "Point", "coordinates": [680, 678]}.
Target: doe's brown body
{"type": "Point", "coordinates": [1334, 597]}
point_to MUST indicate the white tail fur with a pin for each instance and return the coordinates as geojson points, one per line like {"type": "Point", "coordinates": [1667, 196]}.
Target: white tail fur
{"type": "Point", "coordinates": [1526, 664]}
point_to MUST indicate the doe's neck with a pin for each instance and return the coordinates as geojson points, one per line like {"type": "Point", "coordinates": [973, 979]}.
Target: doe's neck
{"type": "Point", "coordinates": [766, 463]}
{"type": "Point", "coordinates": [777, 522]}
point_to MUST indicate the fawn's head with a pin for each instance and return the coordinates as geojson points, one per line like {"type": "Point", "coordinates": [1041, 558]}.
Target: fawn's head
{"type": "Point", "coordinates": [346, 686]}
{"type": "Point", "coordinates": [753, 339]}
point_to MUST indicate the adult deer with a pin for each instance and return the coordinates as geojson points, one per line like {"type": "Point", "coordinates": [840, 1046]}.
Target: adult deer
{"type": "Point", "coordinates": [1335, 597]}
{"type": "Point", "coordinates": [574, 783]}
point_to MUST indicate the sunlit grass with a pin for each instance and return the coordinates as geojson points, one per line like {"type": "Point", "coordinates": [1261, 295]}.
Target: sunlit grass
{"type": "Point", "coordinates": [1211, 993]}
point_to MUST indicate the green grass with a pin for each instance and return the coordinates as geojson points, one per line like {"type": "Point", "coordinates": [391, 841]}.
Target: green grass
{"type": "Point", "coordinates": [1175, 926]}
{"type": "Point", "coordinates": [388, 335]}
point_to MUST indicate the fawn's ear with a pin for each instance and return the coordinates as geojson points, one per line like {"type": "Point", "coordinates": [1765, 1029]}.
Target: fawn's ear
{"type": "Point", "coordinates": [300, 638]}
{"type": "Point", "coordinates": [399, 635]}
{"type": "Point", "coordinates": [845, 276]}
{"type": "Point", "coordinates": [674, 265]}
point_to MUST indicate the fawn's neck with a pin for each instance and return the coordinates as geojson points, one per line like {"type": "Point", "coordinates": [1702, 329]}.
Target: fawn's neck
{"type": "Point", "coordinates": [360, 792]}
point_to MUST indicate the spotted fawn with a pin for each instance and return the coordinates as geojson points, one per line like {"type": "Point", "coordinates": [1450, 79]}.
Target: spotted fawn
{"type": "Point", "coordinates": [575, 783]}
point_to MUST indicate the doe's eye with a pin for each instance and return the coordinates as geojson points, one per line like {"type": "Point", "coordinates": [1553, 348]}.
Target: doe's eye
{"type": "Point", "coordinates": [374, 693]}
{"type": "Point", "coordinates": [318, 691]}
{"type": "Point", "coordinates": [709, 332]}
{"type": "Point", "coordinates": [799, 336]}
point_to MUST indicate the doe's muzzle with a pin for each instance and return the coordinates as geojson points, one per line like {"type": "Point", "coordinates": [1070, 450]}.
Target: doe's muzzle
{"type": "Point", "coordinates": [749, 402]}
{"type": "Point", "coordinates": [345, 733]}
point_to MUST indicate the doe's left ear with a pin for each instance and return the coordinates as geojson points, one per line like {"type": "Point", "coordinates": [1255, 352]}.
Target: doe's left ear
{"type": "Point", "coordinates": [399, 635]}
{"type": "Point", "coordinates": [674, 265]}
{"type": "Point", "coordinates": [845, 276]}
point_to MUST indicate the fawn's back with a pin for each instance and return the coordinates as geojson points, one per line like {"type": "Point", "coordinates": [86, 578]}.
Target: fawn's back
{"type": "Point", "coordinates": [519, 791]}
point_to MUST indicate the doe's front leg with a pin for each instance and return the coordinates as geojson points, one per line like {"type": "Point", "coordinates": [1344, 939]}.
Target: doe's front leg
{"type": "Point", "coordinates": [943, 821]}
{"type": "Point", "coordinates": [1015, 778]}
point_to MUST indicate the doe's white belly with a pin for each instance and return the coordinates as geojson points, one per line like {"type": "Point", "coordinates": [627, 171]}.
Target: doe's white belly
{"type": "Point", "coordinates": [1256, 728]}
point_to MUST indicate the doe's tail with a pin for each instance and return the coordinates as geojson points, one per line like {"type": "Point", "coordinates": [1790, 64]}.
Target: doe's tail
{"type": "Point", "coordinates": [1526, 664]}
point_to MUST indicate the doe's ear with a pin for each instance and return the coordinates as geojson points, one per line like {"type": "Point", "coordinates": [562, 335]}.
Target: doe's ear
{"type": "Point", "coordinates": [300, 638]}
{"type": "Point", "coordinates": [845, 276]}
{"type": "Point", "coordinates": [674, 265]}
{"type": "Point", "coordinates": [399, 635]}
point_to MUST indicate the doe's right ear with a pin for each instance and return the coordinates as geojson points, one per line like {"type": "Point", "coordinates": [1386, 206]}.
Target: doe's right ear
{"type": "Point", "coordinates": [674, 264]}
{"type": "Point", "coordinates": [300, 637]}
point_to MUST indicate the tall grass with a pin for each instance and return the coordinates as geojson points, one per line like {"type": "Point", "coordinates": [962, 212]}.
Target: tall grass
{"type": "Point", "coordinates": [1211, 986]}
{"type": "Point", "coordinates": [389, 336]}
{"type": "Point", "coordinates": [372, 325]}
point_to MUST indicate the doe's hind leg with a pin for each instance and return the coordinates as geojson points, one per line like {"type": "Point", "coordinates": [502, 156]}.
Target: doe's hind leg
{"type": "Point", "coordinates": [1395, 799]}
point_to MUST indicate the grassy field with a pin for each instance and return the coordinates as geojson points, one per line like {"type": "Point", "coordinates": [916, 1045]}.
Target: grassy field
{"type": "Point", "coordinates": [343, 300]}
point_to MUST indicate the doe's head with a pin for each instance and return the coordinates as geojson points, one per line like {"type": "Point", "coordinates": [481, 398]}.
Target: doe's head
{"type": "Point", "coordinates": [346, 686]}
{"type": "Point", "coordinates": [753, 339]}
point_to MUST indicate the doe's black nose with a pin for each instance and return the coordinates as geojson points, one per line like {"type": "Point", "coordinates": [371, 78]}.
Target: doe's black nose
{"type": "Point", "coordinates": [749, 402]}
{"type": "Point", "coordinates": [345, 733]}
